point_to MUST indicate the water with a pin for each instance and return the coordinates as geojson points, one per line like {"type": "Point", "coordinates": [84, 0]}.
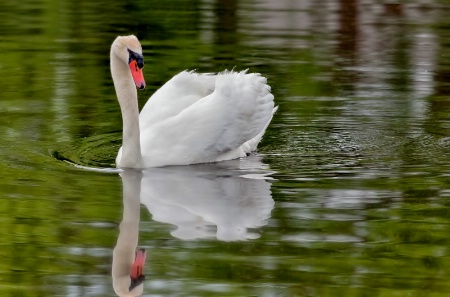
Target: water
{"type": "Point", "coordinates": [347, 196]}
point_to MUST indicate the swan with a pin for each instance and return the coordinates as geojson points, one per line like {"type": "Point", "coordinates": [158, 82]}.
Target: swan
{"type": "Point", "coordinates": [128, 265]}
{"type": "Point", "coordinates": [193, 118]}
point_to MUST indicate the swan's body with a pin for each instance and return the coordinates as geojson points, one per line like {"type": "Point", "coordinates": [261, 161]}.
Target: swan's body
{"type": "Point", "coordinates": [193, 118]}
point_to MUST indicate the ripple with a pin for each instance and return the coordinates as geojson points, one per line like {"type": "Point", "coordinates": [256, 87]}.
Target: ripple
{"type": "Point", "coordinates": [92, 153]}
{"type": "Point", "coordinates": [311, 237]}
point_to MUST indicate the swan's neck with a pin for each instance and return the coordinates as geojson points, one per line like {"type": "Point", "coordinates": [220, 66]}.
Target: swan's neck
{"type": "Point", "coordinates": [127, 96]}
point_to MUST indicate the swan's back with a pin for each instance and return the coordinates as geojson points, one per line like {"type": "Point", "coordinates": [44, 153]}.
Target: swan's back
{"type": "Point", "coordinates": [199, 118]}
{"type": "Point", "coordinates": [177, 94]}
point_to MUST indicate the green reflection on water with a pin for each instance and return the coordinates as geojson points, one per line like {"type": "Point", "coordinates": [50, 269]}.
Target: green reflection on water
{"type": "Point", "coordinates": [360, 146]}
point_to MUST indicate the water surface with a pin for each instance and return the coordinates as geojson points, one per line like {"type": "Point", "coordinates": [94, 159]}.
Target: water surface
{"type": "Point", "coordinates": [347, 196]}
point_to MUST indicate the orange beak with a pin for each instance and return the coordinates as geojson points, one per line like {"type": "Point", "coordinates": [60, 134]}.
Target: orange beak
{"type": "Point", "coordinates": [137, 74]}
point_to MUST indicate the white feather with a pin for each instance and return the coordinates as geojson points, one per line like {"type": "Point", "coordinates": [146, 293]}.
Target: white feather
{"type": "Point", "coordinates": [182, 124]}
{"type": "Point", "coordinates": [193, 118]}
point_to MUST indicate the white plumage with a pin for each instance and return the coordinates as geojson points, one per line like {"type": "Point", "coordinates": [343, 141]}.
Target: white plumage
{"type": "Point", "coordinates": [193, 118]}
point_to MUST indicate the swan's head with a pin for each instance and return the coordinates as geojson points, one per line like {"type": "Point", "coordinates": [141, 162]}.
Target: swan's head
{"type": "Point", "coordinates": [129, 50]}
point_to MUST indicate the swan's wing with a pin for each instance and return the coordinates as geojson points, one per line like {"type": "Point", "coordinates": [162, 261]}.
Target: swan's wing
{"type": "Point", "coordinates": [246, 106]}
{"type": "Point", "coordinates": [238, 110]}
{"type": "Point", "coordinates": [177, 94]}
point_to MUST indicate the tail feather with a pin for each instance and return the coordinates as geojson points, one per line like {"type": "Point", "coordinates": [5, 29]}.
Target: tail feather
{"type": "Point", "coordinates": [252, 144]}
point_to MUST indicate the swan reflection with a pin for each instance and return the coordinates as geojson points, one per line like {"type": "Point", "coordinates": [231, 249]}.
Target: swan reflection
{"type": "Point", "coordinates": [128, 265]}
{"type": "Point", "coordinates": [222, 200]}
{"type": "Point", "coordinates": [226, 200]}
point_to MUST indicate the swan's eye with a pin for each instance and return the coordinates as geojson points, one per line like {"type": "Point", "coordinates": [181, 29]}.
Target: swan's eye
{"type": "Point", "coordinates": [133, 56]}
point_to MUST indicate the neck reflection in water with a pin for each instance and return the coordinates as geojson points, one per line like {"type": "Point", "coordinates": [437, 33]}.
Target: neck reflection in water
{"type": "Point", "coordinates": [127, 264]}
{"type": "Point", "coordinates": [226, 200]}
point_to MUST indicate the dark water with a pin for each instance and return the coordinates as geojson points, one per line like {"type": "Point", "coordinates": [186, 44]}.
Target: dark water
{"type": "Point", "coordinates": [348, 196]}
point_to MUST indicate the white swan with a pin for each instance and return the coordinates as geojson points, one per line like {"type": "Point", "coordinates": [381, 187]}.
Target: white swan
{"type": "Point", "coordinates": [128, 265]}
{"type": "Point", "coordinates": [193, 118]}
